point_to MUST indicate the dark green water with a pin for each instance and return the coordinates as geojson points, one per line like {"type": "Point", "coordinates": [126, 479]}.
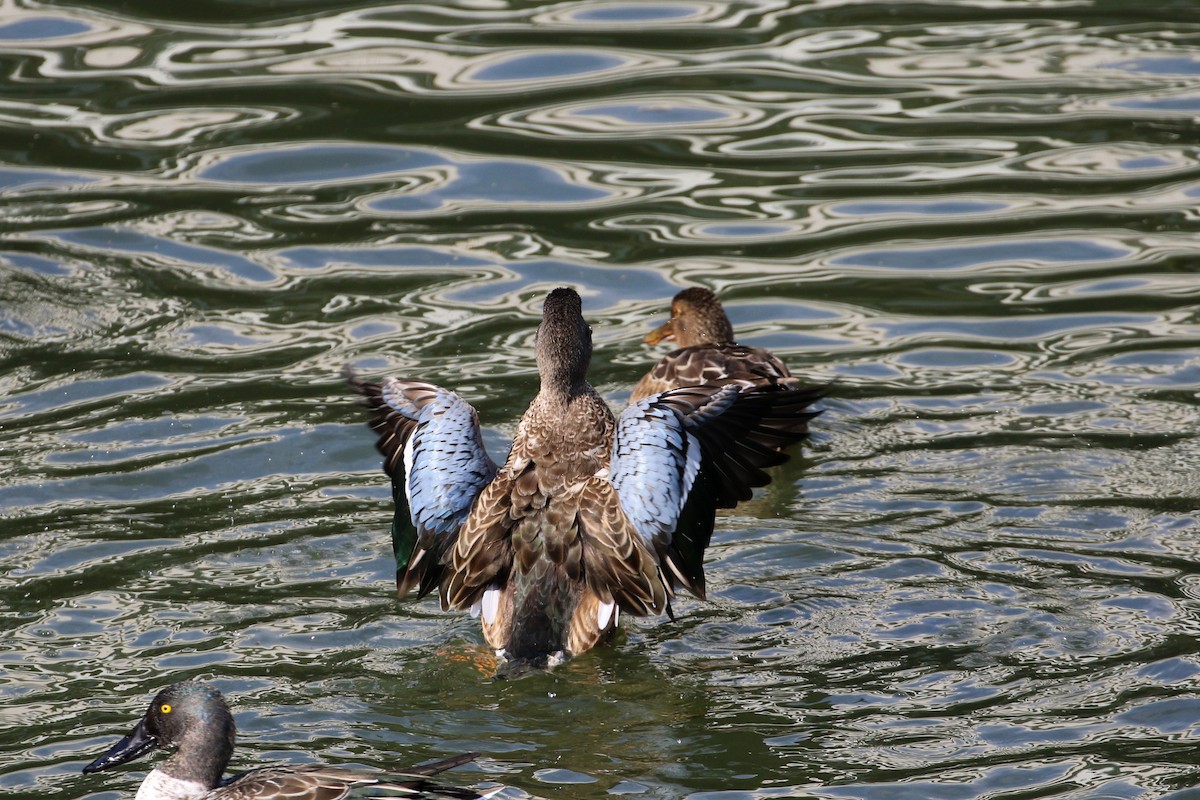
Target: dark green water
{"type": "Point", "coordinates": [981, 580]}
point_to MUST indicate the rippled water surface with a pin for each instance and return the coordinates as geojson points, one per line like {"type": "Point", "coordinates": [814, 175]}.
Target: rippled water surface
{"type": "Point", "coordinates": [980, 580]}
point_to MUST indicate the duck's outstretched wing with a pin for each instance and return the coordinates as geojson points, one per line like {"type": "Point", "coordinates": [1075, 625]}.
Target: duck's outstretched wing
{"type": "Point", "coordinates": [434, 454]}
{"type": "Point", "coordinates": [680, 455]}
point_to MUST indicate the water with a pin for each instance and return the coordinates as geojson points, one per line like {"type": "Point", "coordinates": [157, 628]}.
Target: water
{"type": "Point", "coordinates": [979, 581]}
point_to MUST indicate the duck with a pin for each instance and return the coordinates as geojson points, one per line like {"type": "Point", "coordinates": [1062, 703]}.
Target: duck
{"type": "Point", "coordinates": [193, 718]}
{"type": "Point", "coordinates": [707, 351]}
{"type": "Point", "coordinates": [590, 516]}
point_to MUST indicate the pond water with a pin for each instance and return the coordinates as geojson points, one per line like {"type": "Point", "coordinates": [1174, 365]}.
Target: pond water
{"type": "Point", "coordinates": [981, 579]}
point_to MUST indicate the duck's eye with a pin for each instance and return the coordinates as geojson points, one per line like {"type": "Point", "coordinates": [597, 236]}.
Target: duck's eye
{"type": "Point", "coordinates": [165, 708]}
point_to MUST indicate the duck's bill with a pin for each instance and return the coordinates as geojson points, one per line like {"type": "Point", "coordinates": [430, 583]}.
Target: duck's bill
{"type": "Point", "coordinates": [137, 743]}
{"type": "Point", "coordinates": [664, 331]}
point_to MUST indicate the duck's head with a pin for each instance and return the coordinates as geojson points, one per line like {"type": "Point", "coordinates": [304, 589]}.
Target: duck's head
{"type": "Point", "coordinates": [697, 318]}
{"type": "Point", "coordinates": [190, 715]}
{"type": "Point", "coordinates": [564, 341]}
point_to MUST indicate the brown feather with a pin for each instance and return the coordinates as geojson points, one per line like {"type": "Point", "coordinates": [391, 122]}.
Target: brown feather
{"type": "Point", "coordinates": [707, 351]}
{"type": "Point", "coordinates": [584, 632]}
{"type": "Point", "coordinates": [549, 533]}
{"type": "Point", "coordinates": [482, 553]}
{"type": "Point", "coordinates": [618, 562]}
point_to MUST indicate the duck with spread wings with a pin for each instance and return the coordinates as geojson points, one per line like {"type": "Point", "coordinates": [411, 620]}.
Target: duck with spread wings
{"type": "Point", "coordinates": [590, 515]}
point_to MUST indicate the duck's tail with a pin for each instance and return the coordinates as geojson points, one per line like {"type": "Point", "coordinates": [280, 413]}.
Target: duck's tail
{"type": "Point", "coordinates": [542, 607]}
{"type": "Point", "coordinates": [441, 766]}
{"type": "Point", "coordinates": [420, 788]}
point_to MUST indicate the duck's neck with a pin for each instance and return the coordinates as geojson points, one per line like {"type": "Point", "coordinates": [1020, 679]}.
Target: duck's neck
{"type": "Point", "coordinates": [560, 387]}
{"type": "Point", "coordinates": [713, 330]}
{"type": "Point", "coordinates": [547, 413]}
{"type": "Point", "coordinates": [200, 760]}
{"type": "Point", "coordinates": [160, 785]}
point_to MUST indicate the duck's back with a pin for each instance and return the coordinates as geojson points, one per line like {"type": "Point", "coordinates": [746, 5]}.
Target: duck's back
{"type": "Point", "coordinates": [320, 782]}
{"type": "Point", "coordinates": [713, 364]}
{"type": "Point", "coordinates": [538, 540]}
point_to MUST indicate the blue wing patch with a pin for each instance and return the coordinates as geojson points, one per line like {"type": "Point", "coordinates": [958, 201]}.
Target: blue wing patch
{"type": "Point", "coordinates": [681, 454]}
{"type": "Point", "coordinates": [434, 454]}
{"type": "Point", "coordinates": [654, 464]}
{"type": "Point", "coordinates": [445, 463]}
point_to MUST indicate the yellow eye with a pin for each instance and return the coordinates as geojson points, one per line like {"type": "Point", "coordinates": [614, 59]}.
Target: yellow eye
{"type": "Point", "coordinates": [165, 708]}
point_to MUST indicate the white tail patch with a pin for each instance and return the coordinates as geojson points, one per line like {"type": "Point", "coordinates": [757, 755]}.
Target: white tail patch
{"type": "Point", "coordinates": [604, 613]}
{"type": "Point", "coordinates": [491, 605]}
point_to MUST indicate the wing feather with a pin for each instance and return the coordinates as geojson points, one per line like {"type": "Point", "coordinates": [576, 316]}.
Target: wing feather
{"type": "Point", "coordinates": [433, 451]}
{"type": "Point", "coordinates": [618, 561]}
{"type": "Point", "coordinates": [319, 782]}
{"type": "Point", "coordinates": [482, 555]}
{"type": "Point", "coordinates": [681, 454]}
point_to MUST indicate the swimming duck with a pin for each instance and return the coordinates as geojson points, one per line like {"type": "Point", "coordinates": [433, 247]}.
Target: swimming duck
{"type": "Point", "coordinates": [707, 352]}
{"type": "Point", "coordinates": [590, 515]}
{"type": "Point", "coordinates": [193, 717]}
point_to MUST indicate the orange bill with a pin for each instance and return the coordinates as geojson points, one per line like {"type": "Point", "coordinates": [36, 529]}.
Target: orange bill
{"type": "Point", "coordinates": [664, 331]}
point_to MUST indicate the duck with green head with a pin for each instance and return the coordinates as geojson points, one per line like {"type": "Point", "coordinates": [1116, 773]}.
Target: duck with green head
{"type": "Point", "coordinates": [590, 515]}
{"type": "Point", "coordinates": [193, 719]}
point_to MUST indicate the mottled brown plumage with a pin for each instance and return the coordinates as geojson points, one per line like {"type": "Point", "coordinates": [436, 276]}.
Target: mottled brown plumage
{"type": "Point", "coordinates": [588, 516]}
{"type": "Point", "coordinates": [546, 528]}
{"type": "Point", "coordinates": [707, 352]}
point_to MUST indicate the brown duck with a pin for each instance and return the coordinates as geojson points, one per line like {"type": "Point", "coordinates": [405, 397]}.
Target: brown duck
{"type": "Point", "coordinates": [707, 352]}
{"type": "Point", "coordinates": [590, 515]}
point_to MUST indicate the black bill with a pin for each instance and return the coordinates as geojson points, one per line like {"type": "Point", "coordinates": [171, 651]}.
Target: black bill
{"type": "Point", "coordinates": [137, 743]}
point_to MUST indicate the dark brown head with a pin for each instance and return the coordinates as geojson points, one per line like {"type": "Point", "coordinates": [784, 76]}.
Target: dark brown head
{"type": "Point", "coordinates": [697, 318]}
{"type": "Point", "coordinates": [564, 341]}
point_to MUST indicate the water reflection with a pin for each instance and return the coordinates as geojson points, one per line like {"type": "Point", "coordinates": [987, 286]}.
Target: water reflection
{"type": "Point", "coordinates": [590, 15]}
{"type": "Point", "coordinates": [657, 115]}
